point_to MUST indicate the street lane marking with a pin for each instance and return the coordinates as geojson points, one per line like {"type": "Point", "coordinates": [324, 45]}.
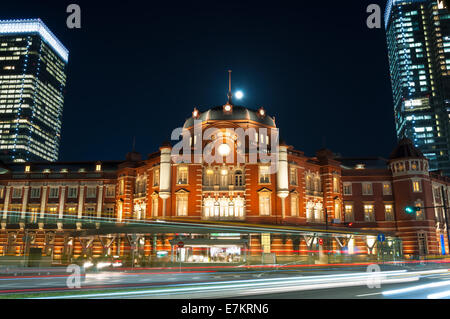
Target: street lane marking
{"type": "Point", "coordinates": [372, 294]}
{"type": "Point", "coordinates": [415, 288]}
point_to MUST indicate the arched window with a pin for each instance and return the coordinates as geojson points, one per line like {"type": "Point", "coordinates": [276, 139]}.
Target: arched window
{"type": "Point", "coordinates": [309, 211]}
{"type": "Point", "coordinates": [309, 183]}
{"type": "Point", "coordinates": [208, 177]}
{"type": "Point", "coordinates": [238, 178]}
{"type": "Point", "coordinates": [224, 177]}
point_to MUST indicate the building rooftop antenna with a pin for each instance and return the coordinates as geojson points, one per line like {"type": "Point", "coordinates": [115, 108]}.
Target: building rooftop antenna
{"type": "Point", "coordinates": [229, 87]}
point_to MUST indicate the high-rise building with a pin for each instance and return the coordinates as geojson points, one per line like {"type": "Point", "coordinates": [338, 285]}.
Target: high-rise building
{"type": "Point", "coordinates": [33, 65]}
{"type": "Point", "coordinates": [418, 41]}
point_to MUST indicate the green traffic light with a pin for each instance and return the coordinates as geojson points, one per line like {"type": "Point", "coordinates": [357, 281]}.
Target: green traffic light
{"type": "Point", "coordinates": [409, 209]}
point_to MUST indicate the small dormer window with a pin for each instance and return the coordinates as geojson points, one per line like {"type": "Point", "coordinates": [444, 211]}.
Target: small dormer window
{"type": "Point", "coordinates": [98, 167]}
{"type": "Point", "coordinates": [27, 168]}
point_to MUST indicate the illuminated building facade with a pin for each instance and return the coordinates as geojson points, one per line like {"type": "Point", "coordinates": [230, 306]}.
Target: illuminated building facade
{"type": "Point", "coordinates": [32, 82]}
{"type": "Point", "coordinates": [146, 206]}
{"type": "Point", "coordinates": [418, 41]}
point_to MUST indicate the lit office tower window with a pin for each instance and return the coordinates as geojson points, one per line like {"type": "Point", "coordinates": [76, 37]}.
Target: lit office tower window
{"type": "Point", "coordinates": [32, 82]}
{"type": "Point", "coordinates": [418, 42]}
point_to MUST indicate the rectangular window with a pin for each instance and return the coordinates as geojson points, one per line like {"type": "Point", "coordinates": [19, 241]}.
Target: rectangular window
{"type": "Point", "coordinates": [335, 184]}
{"type": "Point", "coordinates": [108, 212]}
{"type": "Point", "coordinates": [264, 176]}
{"type": "Point", "coordinates": [293, 176]}
{"type": "Point", "coordinates": [182, 205]}
{"type": "Point", "coordinates": [264, 204]}
{"type": "Point", "coordinates": [17, 192]}
{"type": "Point", "coordinates": [369, 215]}
{"type": "Point", "coordinates": [347, 188]}
{"type": "Point", "coordinates": [348, 210]}
{"type": "Point", "coordinates": [54, 192]}
{"type": "Point", "coordinates": [294, 205]}
{"type": "Point", "coordinates": [417, 187]}
{"type": "Point", "coordinates": [367, 189]}
{"type": "Point", "coordinates": [72, 192]}
{"type": "Point", "coordinates": [35, 192]}
{"type": "Point", "coordinates": [33, 213]}
{"type": "Point", "coordinates": [110, 191]}
{"type": "Point", "coordinates": [71, 210]}
{"type": "Point", "coordinates": [389, 212]}
{"type": "Point", "coordinates": [51, 214]}
{"type": "Point", "coordinates": [387, 189]}
{"type": "Point", "coordinates": [182, 178]}
{"type": "Point", "coordinates": [14, 213]}
{"type": "Point", "coordinates": [422, 243]}
{"type": "Point", "coordinates": [91, 192]}
{"type": "Point", "coordinates": [337, 210]}
{"type": "Point", "coordinates": [154, 206]}
{"type": "Point", "coordinates": [121, 187]}
{"type": "Point", "coordinates": [89, 212]}
{"type": "Point", "coordinates": [156, 177]}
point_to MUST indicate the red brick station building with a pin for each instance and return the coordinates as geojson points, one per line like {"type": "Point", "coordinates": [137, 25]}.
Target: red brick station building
{"type": "Point", "coordinates": [232, 212]}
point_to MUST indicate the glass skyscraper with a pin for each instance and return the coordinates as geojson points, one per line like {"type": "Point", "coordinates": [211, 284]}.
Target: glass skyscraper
{"type": "Point", "coordinates": [33, 65]}
{"type": "Point", "coordinates": [418, 41]}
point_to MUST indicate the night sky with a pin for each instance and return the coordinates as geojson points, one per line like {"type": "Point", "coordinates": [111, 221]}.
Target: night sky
{"type": "Point", "coordinates": [138, 68]}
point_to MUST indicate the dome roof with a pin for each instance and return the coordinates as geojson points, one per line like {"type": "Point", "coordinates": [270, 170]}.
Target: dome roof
{"type": "Point", "coordinates": [239, 113]}
{"type": "Point", "coordinates": [406, 149]}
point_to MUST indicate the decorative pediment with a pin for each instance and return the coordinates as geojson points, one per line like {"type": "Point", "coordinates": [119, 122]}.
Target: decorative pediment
{"type": "Point", "coordinates": [182, 191]}
{"type": "Point", "coordinates": [264, 190]}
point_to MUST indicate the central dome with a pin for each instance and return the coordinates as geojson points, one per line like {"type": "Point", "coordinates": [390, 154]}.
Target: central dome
{"type": "Point", "coordinates": [238, 113]}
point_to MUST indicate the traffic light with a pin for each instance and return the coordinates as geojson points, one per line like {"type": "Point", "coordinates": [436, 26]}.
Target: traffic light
{"type": "Point", "coordinates": [411, 209]}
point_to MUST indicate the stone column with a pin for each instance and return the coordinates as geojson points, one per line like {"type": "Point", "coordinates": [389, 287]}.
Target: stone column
{"type": "Point", "coordinates": [62, 200]}
{"type": "Point", "coordinates": [282, 178]}
{"type": "Point", "coordinates": [43, 203]}
{"type": "Point", "coordinates": [80, 202]}
{"type": "Point", "coordinates": [99, 204]}
{"type": "Point", "coordinates": [165, 175]}
{"type": "Point", "coordinates": [5, 207]}
{"type": "Point", "coordinates": [24, 201]}
{"type": "Point", "coordinates": [80, 205]}
{"type": "Point", "coordinates": [7, 196]}
{"type": "Point", "coordinates": [100, 201]}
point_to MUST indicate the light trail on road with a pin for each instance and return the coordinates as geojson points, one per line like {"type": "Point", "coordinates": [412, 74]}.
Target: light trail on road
{"type": "Point", "coordinates": [261, 286]}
